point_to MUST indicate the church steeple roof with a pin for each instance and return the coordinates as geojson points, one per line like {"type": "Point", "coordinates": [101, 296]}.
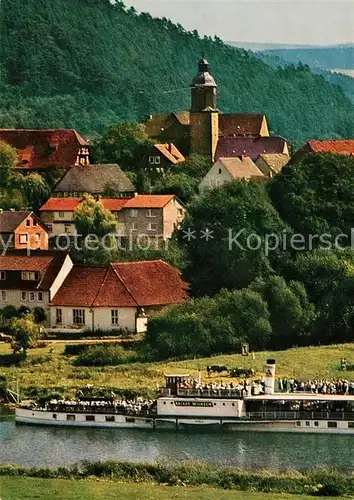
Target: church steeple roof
{"type": "Point", "coordinates": [203, 78]}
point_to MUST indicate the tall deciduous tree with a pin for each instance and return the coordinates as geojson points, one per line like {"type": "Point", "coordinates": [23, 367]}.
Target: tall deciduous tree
{"type": "Point", "coordinates": [92, 218]}
{"type": "Point", "coordinates": [8, 162]}
{"type": "Point", "coordinates": [25, 332]}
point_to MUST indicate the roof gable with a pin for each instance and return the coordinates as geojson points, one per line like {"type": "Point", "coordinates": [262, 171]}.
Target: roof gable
{"type": "Point", "coordinates": [10, 220]}
{"type": "Point", "coordinates": [170, 152]}
{"type": "Point", "coordinates": [94, 179]}
{"type": "Point", "coordinates": [241, 124]}
{"type": "Point", "coordinates": [231, 147]}
{"type": "Point", "coordinates": [42, 148]}
{"type": "Point", "coordinates": [61, 205]}
{"type": "Point", "coordinates": [241, 168]}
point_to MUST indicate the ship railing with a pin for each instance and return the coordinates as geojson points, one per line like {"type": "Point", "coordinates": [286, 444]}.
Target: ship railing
{"type": "Point", "coordinates": [144, 412]}
{"type": "Point", "coordinates": [300, 415]}
{"type": "Point", "coordinates": [211, 393]}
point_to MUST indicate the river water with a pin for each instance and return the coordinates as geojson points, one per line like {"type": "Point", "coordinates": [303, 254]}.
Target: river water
{"type": "Point", "coordinates": [57, 446]}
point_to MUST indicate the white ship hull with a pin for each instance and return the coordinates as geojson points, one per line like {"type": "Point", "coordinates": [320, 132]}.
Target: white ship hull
{"type": "Point", "coordinates": [41, 417]}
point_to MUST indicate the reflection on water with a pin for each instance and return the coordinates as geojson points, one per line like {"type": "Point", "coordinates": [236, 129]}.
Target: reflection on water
{"type": "Point", "coordinates": [54, 446]}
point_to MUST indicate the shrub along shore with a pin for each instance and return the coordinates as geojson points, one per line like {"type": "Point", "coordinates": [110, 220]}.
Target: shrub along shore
{"type": "Point", "coordinates": [318, 482]}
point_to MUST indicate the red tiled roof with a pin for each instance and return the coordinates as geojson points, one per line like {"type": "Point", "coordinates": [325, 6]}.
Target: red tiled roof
{"type": "Point", "coordinates": [25, 263]}
{"type": "Point", "coordinates": [229, 147]}
{"type": "Point", "coordinates": [341, 147]}
{"type": "Point", "coordinates": [39, 149]}
{"type": "Point", "coordinates": [170, 152]}
{"type": "Point", "coordinates": [152, 282]}
{"type": "Point", "coordinates": [243, 124]}
{"type": "Point", "coordinates": [128, 284]}
{"type": "Point", "coordinates": [149, 201]}
{"type": "Point", "coordinates": [114, 204]}
{"type": "Point", "coordinates": [61, 205]}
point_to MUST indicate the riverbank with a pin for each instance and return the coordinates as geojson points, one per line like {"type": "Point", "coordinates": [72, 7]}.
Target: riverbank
{"type": "Point", "coordinates": [190, 476]}
{"type": "Point", "coordinates": [62, 489]}
{"type": "Point", "coordinates": [48, 368]}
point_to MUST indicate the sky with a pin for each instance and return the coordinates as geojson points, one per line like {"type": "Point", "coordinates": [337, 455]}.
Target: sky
{"type": "Point", "coordinates": [316, 22]}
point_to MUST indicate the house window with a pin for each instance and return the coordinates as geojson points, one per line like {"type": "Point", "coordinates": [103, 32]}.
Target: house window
{"type": "Point", "coordinates": [152, 227]}
{"type": "Point", "coordinates": [28, 222]}
{"type": "Point", "coordinates": [34, 223]}
{"type": "Point", "coordinates": [219, 171]}
{"type": "Point", "coordinates": [133, 213]}
{"type": "Point", "coordinates": [134, 226]}
{"type": "Point", "coordinates": [70, 417]}
{"type": "Point", "coordinates": [90, 418]}
{"type": "Point", "coordinates": [23, 239]}
{"type": "Point", "coordinates": [179, 212]}
{"type": "Point", "coordinates": [67, 228]}
{"type": "Point", "coordinates": [38, 237]}
{"type": "Point", "coordinates": [32, 296]}
{"type": "Point", "coordinates": [50, 227]}
{"type": "Point", "coordinates": [79, 316]}
{"type": "Point", "coordinates": [114, 316]}
{"type": "Point", "coordinates": [110, 418]}
{"type": "Point", "coordinates": [2, 275]}
{"type": "Point", "coordinates": [150, 213]}
{"type": "Point", "coordinates": [29, 276]}
{"type": "Point", "coordinates": [23, 296]}
{"type": "Point", "coordinates": [40, 296]}
{"type": "Point", "coordinates": [157, 160]}
{"type": "Point", "coordinates": [154, 160]}
{"type": "Point", "coordinates": [61, 215]}
{"type": "Point", "coordinates": [58, 316]}
{"type": "Point", "coordinates": [3, 295]}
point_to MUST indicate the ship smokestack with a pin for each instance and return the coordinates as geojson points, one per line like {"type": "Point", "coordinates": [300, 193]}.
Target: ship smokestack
{"type": "Point", "coordinates": [269, 375]}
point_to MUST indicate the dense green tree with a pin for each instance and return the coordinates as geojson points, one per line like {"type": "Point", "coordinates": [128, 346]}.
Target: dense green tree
{"type": "Point", "coordinates": [8, 162]}
{"type": "Point", "coordinates": [91, 218]}
{"type": "Point", "coordinates": [207, 326]}
{"type": "Point", "coordinates": [316, 198]}
{"type": "Point", "coordinates": [25, 332]}
{"type": "Point", "coordinates": [196, 166]}
{"type": "Point", "coordinates": [231, 232]}
{"type": "Point", "coordinates": [34, 190]}
{"type": "Point", "coordinates": [182, 185]}
{"type": "Point", "coordinates": [124, 144]}
{"type": "Point", "coordinates": [291, 313]}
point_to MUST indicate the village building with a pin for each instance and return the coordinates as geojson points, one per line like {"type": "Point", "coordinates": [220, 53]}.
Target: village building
{"type": "Point", "coordinates": [98, 180]}
{"type": "Point", "coordinates": [32, 280]}
{"type": "Point", "coordinates": [207, 131]}
{"type": "Point", "coordinates": [226, 170]}
{"type": "Point", "coordinates": [22, 230]}
{"type": "Point", "coordinates": [161, 159]}
{"type": "Point", "coordinates": [41, 149]}
{"type": "Point", "coordinates": [118, 297]}
{"type": "Point", "coordinates": [154, 217]}
{"type": "Point", "coordinates": [272, 164]}
{"type": "Point", "coordinates": [339, 147]}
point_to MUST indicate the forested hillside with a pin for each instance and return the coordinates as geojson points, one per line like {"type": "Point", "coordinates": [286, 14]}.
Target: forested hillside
{"type": "Point", "coordinates": [88, 64]}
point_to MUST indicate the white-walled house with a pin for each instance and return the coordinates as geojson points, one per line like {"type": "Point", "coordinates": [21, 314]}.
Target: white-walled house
{"type": "Point", "coordinates": [118, 297]}
{"type": "Point", "coordinates": [226, 170]}
{"type": "Point", "coordinates": [32, 280]}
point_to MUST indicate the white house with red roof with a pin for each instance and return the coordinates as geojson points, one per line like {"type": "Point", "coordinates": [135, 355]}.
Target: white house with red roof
{"type": "Point", "coordinates": [149, 216]}
{"type": "Point", "coordinates": [118, 297]}
{"type": "Point", "coordinates": [32, 279]}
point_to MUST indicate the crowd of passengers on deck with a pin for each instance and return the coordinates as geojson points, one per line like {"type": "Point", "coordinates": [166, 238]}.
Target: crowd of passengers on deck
{"type": "Point", "coordinates": [344, 387]}
{"type": "Point", "coordinates": [124, 406]}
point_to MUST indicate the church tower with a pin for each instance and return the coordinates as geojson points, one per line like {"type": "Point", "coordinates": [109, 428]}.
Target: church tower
{"type": "Point", "coordinates": [204, 117]}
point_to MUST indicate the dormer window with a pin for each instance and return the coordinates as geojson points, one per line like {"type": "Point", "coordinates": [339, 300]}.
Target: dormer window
{"type": "Point", "coordinates": [29, 276]}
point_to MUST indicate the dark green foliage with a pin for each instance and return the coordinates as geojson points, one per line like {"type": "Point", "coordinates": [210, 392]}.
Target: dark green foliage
{"type": "Point", "coordinates": [207, 326]}
{"type": "Point", "coordinates": [316, 197]}
{"type": "Point", "coordinates": [222, 262]}
{"type": "Point", "coordinates": [291, 313]}
{"type": "Point", "coordinates": [108, 64]}
{"type": "Point", "coordinates": [104, 355]}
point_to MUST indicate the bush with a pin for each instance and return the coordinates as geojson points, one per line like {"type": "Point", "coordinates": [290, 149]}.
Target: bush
{"type": "Point", "coordinates": [104, 355]}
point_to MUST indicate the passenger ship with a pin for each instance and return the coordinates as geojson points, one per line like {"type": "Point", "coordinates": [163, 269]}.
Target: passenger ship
{"type": "Point", "coordinates": [227, 408]}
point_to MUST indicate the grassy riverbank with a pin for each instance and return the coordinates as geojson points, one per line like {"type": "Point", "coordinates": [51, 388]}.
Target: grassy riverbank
{"type": "Point", "coordinates": [161, 480]}
{"type": "Point", "coordinates": [61, 489]}
{"type": "Point", "coordinates": [49, 368]}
